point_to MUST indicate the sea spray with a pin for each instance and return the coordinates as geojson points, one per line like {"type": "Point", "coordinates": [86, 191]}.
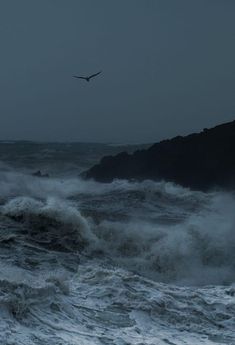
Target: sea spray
{"type": "Point", "coordinates": [119, 263]}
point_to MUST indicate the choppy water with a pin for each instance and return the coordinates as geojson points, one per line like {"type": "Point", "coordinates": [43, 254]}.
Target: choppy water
{"type": "Point", "coordinates": [121, 263]}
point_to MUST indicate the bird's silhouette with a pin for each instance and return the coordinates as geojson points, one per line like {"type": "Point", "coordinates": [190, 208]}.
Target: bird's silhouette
{"type": "Point", "coordinates": [87, 78]}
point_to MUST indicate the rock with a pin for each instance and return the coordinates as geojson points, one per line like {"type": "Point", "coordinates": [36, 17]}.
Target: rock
{"type": "Point", "coordinates": [200, 161]}
{"type": "Point", "coordinates": [39, 174]}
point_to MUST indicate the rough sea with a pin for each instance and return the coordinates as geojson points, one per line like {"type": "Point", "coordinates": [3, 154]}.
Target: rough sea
{"type": "Point", "coordinates": [124, 263]}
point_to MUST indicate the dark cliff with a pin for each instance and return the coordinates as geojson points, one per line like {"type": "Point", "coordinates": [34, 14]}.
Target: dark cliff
{"type": "Point", "coordinates": [200, 161]}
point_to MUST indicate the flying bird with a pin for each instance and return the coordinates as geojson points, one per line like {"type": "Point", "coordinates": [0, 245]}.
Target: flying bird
{"type": "Point", "coordinates": [87, 78]}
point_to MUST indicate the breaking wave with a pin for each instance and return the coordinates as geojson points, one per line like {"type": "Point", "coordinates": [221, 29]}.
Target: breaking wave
{"type": "Point", "coordinates": [52, 223]}
{"type": "Point", "coordinates": [159, 230]}
{"type": "Point", "coordinates": [199, 251]}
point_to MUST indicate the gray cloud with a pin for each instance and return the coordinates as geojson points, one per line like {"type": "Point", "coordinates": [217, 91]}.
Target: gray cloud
{"type": "Point", "coordinates": [168, 68]}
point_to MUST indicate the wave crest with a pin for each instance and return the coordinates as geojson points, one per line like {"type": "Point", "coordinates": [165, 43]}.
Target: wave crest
{"type": "Point", "coordinates": [53, 223]}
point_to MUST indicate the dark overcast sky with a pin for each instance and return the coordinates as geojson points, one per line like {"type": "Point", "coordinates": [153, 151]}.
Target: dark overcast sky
{"type": "Point", "coordinates": [168, 68]}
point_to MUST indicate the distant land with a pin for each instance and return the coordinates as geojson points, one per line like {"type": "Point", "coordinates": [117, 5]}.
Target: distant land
{"type": "Point", "coordinates": [200, 161]}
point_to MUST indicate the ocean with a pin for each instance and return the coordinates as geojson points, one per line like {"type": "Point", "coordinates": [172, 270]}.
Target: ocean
{"type": "Point", "coordinates": [122, 263]}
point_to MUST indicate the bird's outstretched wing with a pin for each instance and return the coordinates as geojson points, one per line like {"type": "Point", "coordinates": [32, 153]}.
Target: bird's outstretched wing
{"type": "Point", "coordinates": [94, 75]}
{"type": "Point", "coordinates": [75, 76]}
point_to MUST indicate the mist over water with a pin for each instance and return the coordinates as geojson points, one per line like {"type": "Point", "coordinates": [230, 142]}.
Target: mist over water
{"type": "Point", "coordinates": [122, 263]}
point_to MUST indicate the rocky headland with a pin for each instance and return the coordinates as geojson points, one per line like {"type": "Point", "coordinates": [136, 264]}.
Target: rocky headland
{"type": "Point", "coordinates": [199, 161]}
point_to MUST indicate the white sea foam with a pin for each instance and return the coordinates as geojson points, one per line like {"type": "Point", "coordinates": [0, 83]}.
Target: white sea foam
{"type": "Point", "coordinates": [121, 263]}
{"type": "Point", "coordinates": [194, 245]}
{"type": "Point", "coordinates": [199, 250]}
